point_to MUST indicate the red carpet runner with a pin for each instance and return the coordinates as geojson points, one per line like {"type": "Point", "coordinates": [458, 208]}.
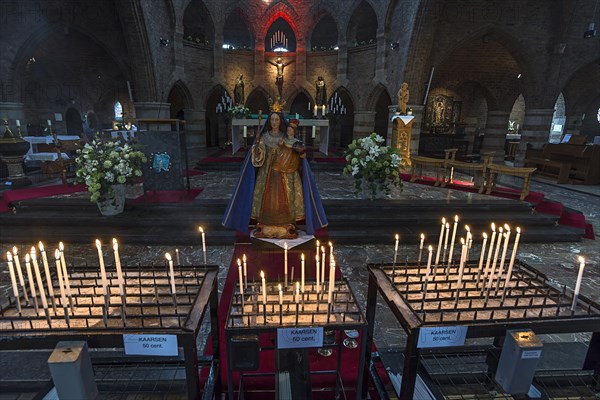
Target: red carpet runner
{"type": "Point", "coordinates": [12, 196]}
{"type": "Point", "coordinates": [271, 261]}
{"type": "Point", "coordinates": [168, 196]}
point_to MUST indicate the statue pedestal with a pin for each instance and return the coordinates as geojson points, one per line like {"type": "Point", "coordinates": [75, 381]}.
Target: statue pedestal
{"type": "Point", "coordinates": [403, 133]}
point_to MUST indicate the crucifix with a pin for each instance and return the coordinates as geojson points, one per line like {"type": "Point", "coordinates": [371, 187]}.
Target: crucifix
{"type": "Point", "coordinates": [280, 65]}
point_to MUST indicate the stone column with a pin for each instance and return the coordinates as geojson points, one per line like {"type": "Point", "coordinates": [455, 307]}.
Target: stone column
{"type": "Point", "coordinates": [470, 131]}
{"type": "Point", "coordinates": [380, 59]}
{"type": "Point", "coordinates": [195, 126]}
{"type": "Point", "coordinates": [495, 134]}
{"type": "Point", "coordinates": [218, 56]}
{"type": "Point", "coordinates": [342, 64]}
{"type": "Point", "coordinates": [364, 122]}
{"type": "Point", "coordinates": [153, 110]}
{"type": "Point", "coordinates": [535, 131]}
{"type": "Point", "coordinates": [12, 112]}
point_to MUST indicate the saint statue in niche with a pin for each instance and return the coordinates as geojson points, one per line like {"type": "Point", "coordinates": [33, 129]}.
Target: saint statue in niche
{"type": "Point", "coordinates": [403, 94]}
{"type": "Point", "coordinates": [321, 95]}
{"type": "Point", "coordinates": [439, 109]}
{"type": "Point", "coordinates": [238, 92]}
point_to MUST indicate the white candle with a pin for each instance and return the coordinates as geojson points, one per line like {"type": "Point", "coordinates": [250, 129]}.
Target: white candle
{"type": "Point", "coordinates": [428, 271]}
{"type": "Point", "coordinates": [578, 284]}
{"type": "Point", "coordinates": [317, 272]}
{"type": "Point", "coordinates": [331, 281]}
{"type": "Point", "coordinates": [446, 237]}
{"type": "Point", "coordinates": [461, 268]}
{"type": "Point", "coordinates": [314, 131]}
{"type": "Point", "coordinates": [47, 272]}
{"type": "Point", "coordinates": [15, 255]}
{"type": "Point", "coordinates": [302, 273]}
{"type": "Point", "coordinates": [285, 262]}
{"type": "Point", "coordinates": [323, 109]}
{"type": "Point", "coordinates": [240, 273]}
{"type": "Point", "coordinates": [203, 243]}
{"type": "Point", "coordinates": [481, 257]}
{"type": "Point", "coordinates": [102, 270]}
{"type": "Point", "coordinates": [30, 278]}
{"type": "Point", "coordinates": [396, 248]}
{"type": "Point", "coordinates": [504, 250]}
{"type": "Point", "coordinates": [453, 238]}
{"type": "Point", "coordinates": [13, 280]}
{"type": "Point", "coordinates": [245, 131]}
{"type": "Point", "coordinates": [512, 260]}
{"type": "Point", "coordinates": [468, 239]}
{"type": "Point", "coordinates": [330, 250]}
{"type": "Point", "coordinates": [309, 106]}
{"type": "Point", "coordinates": [59, 274]}
{"type": "Point", "coordinates": [171, 273]}
{"type": "Point", "coordinates": [297, 297]}
{"type": "Point", "coordinates": [38, 278]}
{"type": "Point", "coordinates": [61, 248]}
{"type": "Point", "coordinates": [245, 270]}
{"type": "Point", "coordinates": [18, 123]}
{"type": "Point", "coordinates": [315, 110]}
{"type": "Point", "coordinates": [323, 266]}
{"type": "Point", "coordinates": [177, 257]}
{"type": "Point", "coordinates": [118, 266]}
{"type": "Point", "coordinates": [493, 268]}
{"type": "Point", "coordinates": [490, 252]}
{"type": "Point", "coordinates": [421, 246]}
{"type": "Point", "coordinates": [49, 123]}
{"type": "Point", "coordinates": [280, 295]}
{"type": "Point", "coordinates": [264, 287]}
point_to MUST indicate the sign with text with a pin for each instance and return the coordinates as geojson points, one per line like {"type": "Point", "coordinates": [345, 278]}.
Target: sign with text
{"type": "Point", "coordinates": [294, 338]}
{"type": "Point", "coordinates": [150, 345]}
{"type": "Point", "coordinates": [442, 336]}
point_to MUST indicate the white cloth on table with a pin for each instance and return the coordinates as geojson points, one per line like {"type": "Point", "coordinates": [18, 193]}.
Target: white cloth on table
{"type": "Point", "coordinates": [124, 134]}
{"type": "Point", "coordinates": [45, 156]}
{"type": "Point", "coordinates": [35, 140]}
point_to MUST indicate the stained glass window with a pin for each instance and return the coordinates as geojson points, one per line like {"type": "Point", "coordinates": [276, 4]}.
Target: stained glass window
{"type": "Point", "coordinates": [118, 111]}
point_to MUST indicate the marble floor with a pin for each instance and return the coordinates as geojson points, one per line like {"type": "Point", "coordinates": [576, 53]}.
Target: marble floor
{"type": "Point", "coordinates": [558, 261]}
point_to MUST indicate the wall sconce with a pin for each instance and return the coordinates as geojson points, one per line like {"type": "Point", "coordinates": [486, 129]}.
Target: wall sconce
{"type": "Point", "coordinates": [164, 42]}
{"type": "Point", "coordinates": [395, 45]}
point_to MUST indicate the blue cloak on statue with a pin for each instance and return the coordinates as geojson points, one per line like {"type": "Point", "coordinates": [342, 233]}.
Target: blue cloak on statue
{"type": "Point", "coordinates": [237, 214]}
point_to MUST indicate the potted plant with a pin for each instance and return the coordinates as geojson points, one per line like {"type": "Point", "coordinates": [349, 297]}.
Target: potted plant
{"type": "Point", "coordinates": [238, 111]}
{"type": "Point", "coordinates": [105, 167]}
{"type": "Point", "coordinates": [374, 166]}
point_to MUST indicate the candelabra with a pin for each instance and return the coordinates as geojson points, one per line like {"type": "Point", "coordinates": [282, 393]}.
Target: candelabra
{"type": "Point", "coordinates": [222, 109]}
{"type": "Point", "coordinates": [336, 112]}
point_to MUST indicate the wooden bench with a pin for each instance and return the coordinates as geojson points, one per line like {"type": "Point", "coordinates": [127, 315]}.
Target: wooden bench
{"type": "Point", "coordinates": [554, 169]}
{"type": "Point", "coordinates": [418, 162]}
{"type": "Point", "coordinates": [494, 170]}
{"type": "Point", "coordinates": [478, 169]}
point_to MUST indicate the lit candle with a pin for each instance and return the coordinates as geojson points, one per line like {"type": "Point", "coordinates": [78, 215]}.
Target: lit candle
{"type": "Point", "coordinates": [31, 282]}
{"type": "Point", "coordinates": [297, 297]}
{"type": "Point", "coordinates": [177, 257]}
{"type": "Point", "coordinates": [15, 255]}
{"type": "Point", "coordinates": [428, 271]}
{"type": "Point", "coordinates": [171, 273]}
{"type": "Point", "coordinates": [461, 268]}
{"type": "Point", "coordinates": [503, 258]}
{"type": "Point", "coordinates": [285, 262]}
{"type": "Point", "coordinates": [38, 278]}
{"type": "Point", "coordinates": [240, 273]}
{"type": "Point", "coordinates": [315, 110]}
{"type": "Point", "coordinates": [421, 247]}
{"type": "Point", "coordinates": [102, 270]}
{"type": "Point", "coordinates": [331, 281]}
{"type": "Point", "coordinates": [318, 245]}
{"type": "Point", "coordinates": [280, 295]}
{"type": "Point", "coordinates": [396, 248]}
{"type": "Point", "coordinates": [48, 277]}
{"type": "Point", "coordinates": [578, 284]}
{"type": "Point", "coordinates": [323, 267]}
{"type": "Point", "coordinates": [330, 250]}
{"type": "Point", "coordinates": [317, 272]}
{"type": "Point", "coordinates": [302, 272]}
{"type": "Point", "coordinates": [446, 238]}
{"type": "Point", "coordinates": [118, 266]}
{"type": "Point", "coordinates": [264, 287]}
{"type": "Point", "coordinates": [493, 268]}
{"type": "Point", "coordinates": [245, 270]}
{"type": "Point", "coordinates": [13, 280]}
{"type": "Point", "coordinates": [481, 257]}
{"type": "Point", "coordinates": [468, 239]}
{"type": "Point", "coordinates": [512, 261]}
{"type": "Point", "coordinates": [323, 109]}
{"type": "Point", "coordinates": [61, 248]}
{"type": "Point", "coordinates": [203, 243]}
{"type": "Point", "coordinates": [63, 297]}
{"type": "Point", "coordinates": [490, 252]}
{"type": "Point", "coordinates": [452, 241]}
{"type": "Point", "coordinates": [245, 131]}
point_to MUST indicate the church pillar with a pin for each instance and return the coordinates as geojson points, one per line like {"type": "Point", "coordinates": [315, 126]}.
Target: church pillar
{"type": "Point", "coordinates": [300, 61]}
{"type": "Point", "coordinates": [195, 127]}
{"type": "Point", "coordinates": [342, 64]}
{"type": "Point", "coordinates": [153, 110]}
{"type": "Point", "coordinates": [364, 121]}
{"type": "Point", "coordinates": [380, 58]}
{"type": "Point", "coordinates": [12, 112]}
{"type": "Point", "coordinates": [218, 56]}
{"type": "Point", "coordinates": [495, 134]}
{"type": "Point", "coordinates": [535, 131]}
{"type": "Point", "coordinates": [470, 132]}
{"type": "Point", "coordinates": [573, 125]}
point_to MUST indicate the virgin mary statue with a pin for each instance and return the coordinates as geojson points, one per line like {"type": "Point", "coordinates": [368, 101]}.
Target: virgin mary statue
{"type": "Point", "coordinates": [276, 186]}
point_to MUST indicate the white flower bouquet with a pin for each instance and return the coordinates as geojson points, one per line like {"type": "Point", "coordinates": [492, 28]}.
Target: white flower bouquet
{"type": "Point", "coordinates": [375, 167]}
{"type": "Point", "coordinates": [102, 164]}
{"type": "Point", "coordinates": [238, 111]}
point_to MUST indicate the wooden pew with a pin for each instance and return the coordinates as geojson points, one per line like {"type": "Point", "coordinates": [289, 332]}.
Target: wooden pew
{"type": "Point", "coordinates": [566, 162]}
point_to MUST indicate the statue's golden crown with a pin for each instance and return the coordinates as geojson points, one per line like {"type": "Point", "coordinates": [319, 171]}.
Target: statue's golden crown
{"type": "Point", "coordinates": [277, 105]}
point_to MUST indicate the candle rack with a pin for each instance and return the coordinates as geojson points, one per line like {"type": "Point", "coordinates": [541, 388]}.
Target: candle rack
{"type": "Point", "coordinates": [531, 301]}
{"type": "Point", "coordinates": [147, 307]}
{"type": "Point", "coordinates": [252, 317]}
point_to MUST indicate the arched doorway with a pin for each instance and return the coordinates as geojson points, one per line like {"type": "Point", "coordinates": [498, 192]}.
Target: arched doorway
{"type": "Point", "coordinates": [382, 114]}
{"type": "Point", "coordinates": [257, 100]}
{"type": "Point", "coordinates": [216, 117]}
{"type": "Point", "coordinates": [341, 118]}
{"type": "Point", "coordinates": [74, 122]}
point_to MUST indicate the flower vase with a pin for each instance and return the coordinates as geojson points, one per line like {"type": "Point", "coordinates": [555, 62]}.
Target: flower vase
{"type": "Point", "coordinates": [366, 193]}
{"type": "Point", "coordinates": [114, 204]}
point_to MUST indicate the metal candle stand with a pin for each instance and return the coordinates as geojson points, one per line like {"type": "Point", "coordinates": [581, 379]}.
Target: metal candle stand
{"type": "Point", "coordinates": [312, 310]}
{"type": "Point", "coordinates": [530, 301]}
{"type": "Point", "coordinates": [148, 307]}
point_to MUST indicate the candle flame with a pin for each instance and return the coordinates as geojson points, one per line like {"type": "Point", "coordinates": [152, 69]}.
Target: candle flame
{"type": "Point", "coordinates": [57, 254]}
{"type": "Point", "coordinates": [200, 229]}
{"type": "Point", "coordinates": [518, 230]}
{"type": "Point", "coordinates": [302, 256]}
{"type": "Point", "coordinates": [467, 228]}
{"type": "Point", "coordinates": [9, 256]}
{"type": "Point", "coordinates": [15, 250]}
{"type": "Point", "coordinates": [318, 243]}
{"type": "Point", "coordinates": [484, 235]}
{"type": "Point", "coordinates": [447, 225]}
{"type": "Point", "coordinates": [41, 246]}
{"type": "Point", "coordinates": [168, 256]}
{"type": "Point", "coordinates": [330, 244]}
{"type": "Point", "coordinates": [98, 244]}
{"type": "Point", "coordinates": [115, 243]}
{"type": "Point", "coordinates": [422, 236]}
{"type": "Point", "coordinates": [500, 229]}
{"type": "Point", "coordinates": [430, 248]}
{"type": "Point", "coordinates": [456, 218]}
{"type": "Point", "coordinates": [297, 286]}
{"type": "Point", "coordinates": [262, 274]}
{"type": "Point", "coordinates": [397, 237]}
{"type": "Point", "coordinates": [493, 227]}
{"type": "Point", "coordinates": [443, 220]}
{"type": "Point", "coordinates": [507, 227]}
{"type": "Point", "coordinates": [323, 249]}
{"type": "Point", "coordinates": [244, 258]}
{"type": "Point", "coordinates": [285, 245]}
{"type": "Point", "coordinates": [61, 246]}
{"type": "Point", "coordinates": [279, 286]}
{"type": "Point", "coordinates": [581, 260]}
{"type": "Point", "coordinates": [462, 240]}
{"type": "Point", "coordinates": [26, 257]}
{"type": "Point", "coordinates": [239, 262]}
{"type": "Point", "coordinates": [33, 253]}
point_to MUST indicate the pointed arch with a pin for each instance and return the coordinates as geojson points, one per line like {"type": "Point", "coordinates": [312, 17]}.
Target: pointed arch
{"type": "Point", "coordinates": [375, 94]}
{"type": "Point", "coordinates": [299, 102]}
{"type": "Point", "coordinates": [185, 93]}
{"type": "Point", "coordinates": [324, 32]}
{"type": "Point", "coordinates": [238, 31]}
{"type": "Point", "coordinates": [284, 12]}
{"type": "Point", "coordinates": [342, 129]}
{"type": "Point", "coordinates": [198, 23]}
{"type": "Point", "coordinates": [363, 25]}
{"type": "Point", "coordinates": [258, 99]}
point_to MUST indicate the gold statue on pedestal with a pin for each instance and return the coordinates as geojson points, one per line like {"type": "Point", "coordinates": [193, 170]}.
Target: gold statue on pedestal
{"type": "Point", "coordinates": [403, 125]}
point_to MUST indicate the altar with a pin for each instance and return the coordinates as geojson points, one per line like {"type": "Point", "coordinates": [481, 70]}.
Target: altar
{"type": "Point", "coordinates": [239, 134]}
